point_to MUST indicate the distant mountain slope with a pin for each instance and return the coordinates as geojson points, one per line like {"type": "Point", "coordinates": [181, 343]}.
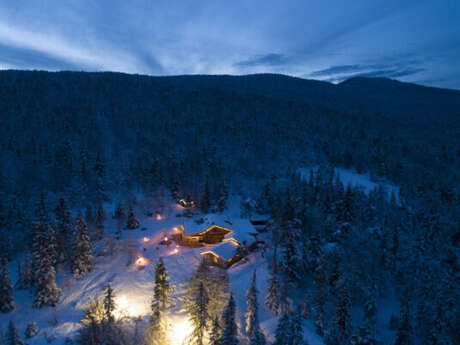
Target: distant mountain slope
{"type": "Point", "coordinates": [403, 99]}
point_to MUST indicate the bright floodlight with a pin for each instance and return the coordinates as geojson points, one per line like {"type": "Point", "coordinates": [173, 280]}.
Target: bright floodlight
{"type": "Point", "coordinates": [124, 308]}
{"type": "Point", "coordinates": [181, 329]}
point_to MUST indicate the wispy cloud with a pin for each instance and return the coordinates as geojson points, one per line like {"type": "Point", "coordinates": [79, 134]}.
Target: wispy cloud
{"type": "Point", "coordinates": [271, 59]}
{"type": "Point", "coordinates": [397, 69]}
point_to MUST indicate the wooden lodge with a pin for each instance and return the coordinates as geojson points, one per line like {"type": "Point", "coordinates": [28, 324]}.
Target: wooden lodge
{"type": "Point", "coordinates": [212, 235]}
{"type": "Point", "coordinates": [224, 254]}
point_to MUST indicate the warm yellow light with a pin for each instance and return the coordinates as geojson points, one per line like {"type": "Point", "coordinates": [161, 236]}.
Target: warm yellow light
{"type": "Point", "coordinates": [142, 261]}
{"type": "Point", "coordinates": [146, 239]}
{"type": "Point", "coordinates": [124, 308]}
{"type": "Point", "coordinates": [158, 216]}
{"type": "Point", "coordinates": [181, 329]}
{"type": "Point", "coordinates": [166, 238]}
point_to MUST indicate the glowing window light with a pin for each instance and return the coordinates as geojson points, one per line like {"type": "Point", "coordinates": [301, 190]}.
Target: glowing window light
{"type": "Point", "coordinates": [181, 329]}
{"type": "Point", "coordinates": [158, 216]}
{"type": "Point", "coordinates": [146, 239]}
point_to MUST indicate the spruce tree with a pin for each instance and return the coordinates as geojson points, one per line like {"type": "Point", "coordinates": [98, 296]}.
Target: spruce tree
{"type": "Point", "coordinates": [99, 223]}
{"type": "Point", "coordinates": [12, 335]}
{"type": "Point", "coordinates": [6, 288]}
{"type": "Point", "coordinates": [132, 222]}
{"type": "Point", "coordinates": [216, 332]}
{"type": "Point", "coordinates": [161, 302]}
{"type": "Point", "coordinates": [109, 305]}
{"type": "Point", "coordinates": [205, 203]}
{"type": "Point", "coordinates": [256, 337]}
{"type": "Point", "coordinates": [199, 316]}
{"type": "Point", "coordinates": [99, 170]}
{"type": "Point", "coordinates": [343, 318]}
{"type": "Point", "coordinates": [273, 298]}
{"type": "Point", "coordinates": [82, 257]}
{"type": "Point", "coordinates": [47, 292]}
{"type": "Point", "coordinates": [296, 329]}
{"type": "Point", "coordinates": [282, 332]}
{"type": "Point", "coordinates": [370, 316]}
{"type": "Point", "coordinates": [25, 279]}
{"type": "Point", "coordinates": [404, 335]}
{"type": "Point", "coordinates": [39, 237]}
{"type": "Point", "coordinates": [306, 312]}
{"type": "Point", "coordinates": [230, 330]}
{"type": "Point", "coordinates": [289, 330]}
{"type": "Point", "coordinates": [63, 230]}
{"type": "Point", "coordinates": [216, 282]}
{"type": "Point", "coordinates": [320, 296]}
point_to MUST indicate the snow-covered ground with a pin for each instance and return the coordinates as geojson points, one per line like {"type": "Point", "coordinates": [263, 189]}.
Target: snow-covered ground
{"type": "Point", "coordinates": [133, 284]}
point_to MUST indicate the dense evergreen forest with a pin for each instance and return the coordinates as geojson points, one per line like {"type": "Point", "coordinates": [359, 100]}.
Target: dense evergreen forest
{"type": "Point", "coordinates": [95, 137]}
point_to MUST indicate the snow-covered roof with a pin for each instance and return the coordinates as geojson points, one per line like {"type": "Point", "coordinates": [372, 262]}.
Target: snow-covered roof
{"type": "Point", "coordinates": [226, 250]}
{"type": "Point", "coordinates": [242, 234]}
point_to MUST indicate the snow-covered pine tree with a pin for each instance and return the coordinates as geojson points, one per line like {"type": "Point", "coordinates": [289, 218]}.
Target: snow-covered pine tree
{"type": "Point", "coordinates": [99, 169]}
{"type": "Point", "coordinates": [296, 329]}
{"type": "Point", "coordinates": [230, 329]}
{"type": "Point", "coordinates": [370, 315]}
{"type": "Point", "coordinates": [404, 334]}
{"type": "Point", "coordinates": [320, 296]}
{"type": "Point", "coordinates": [282, 332]}
{"type": "Point", "coordinates": [25, 279]}
{"type": "Point", "coordinates": [215, 282]}
{"type": "Point", "coordinates": [12, 335]}
{"type": "Point", "coordinates": [6, 288]}
{"type": "Point", "coordinates": [222, 196]}
{"type": "Point", "coordinates": [205, 202]}
{"type": "Point", "coordinates": [82, 257]}
{"type": "Point", "coordinates": [63, 230]}
{"type": "Point", "coordinates": [51, 244]}
{"type": "Point", "coordinates": [342, 326]}
{"type": "Point", "coordinates": [216, 332]}
{"type": "Point", "coordinates": [273, 298]}
{"type": "Point", "coordinates": [199, 316]}
{"type": "Point", "coordinates": [39, 239]}
{"type": "Point", "coordinates": [256, 337]}
{"type": "Point", "coordinates": [132, 222]}
{"type": "Point", "coordinates": [156, 332]}
{"type": "Point", "coordinates": [109, 305]}
{"type": "Point", "coordinates": [99, 223]}
{"type": "Point", "coordinates": [47, 292]}
{"type": "Point", "coordinates": [306, 312]}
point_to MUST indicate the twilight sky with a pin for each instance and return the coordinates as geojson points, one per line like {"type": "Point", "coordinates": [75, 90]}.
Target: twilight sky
{"type": "Point", "coordinates": [409, 40]}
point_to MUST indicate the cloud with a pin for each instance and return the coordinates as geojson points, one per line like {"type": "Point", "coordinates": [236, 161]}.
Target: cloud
{"type": "Point", "coordinates": [26, 58]}
{"type": "Point", "coordinates": [340, 69]}
{"type": "Point", "coordinates": [395, 67]}
{"type": "Point", "coordinates": [271, 59]}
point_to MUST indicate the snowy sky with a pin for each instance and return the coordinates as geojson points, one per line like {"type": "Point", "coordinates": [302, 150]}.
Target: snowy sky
{"type": "Point", "coordinates": [411, 40]}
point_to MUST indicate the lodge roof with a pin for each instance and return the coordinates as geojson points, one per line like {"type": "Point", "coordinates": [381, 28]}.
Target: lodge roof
{"type": "Point", "coordinates": [214, 226]}
{"type": "Point", "coordinates": [225, 250]}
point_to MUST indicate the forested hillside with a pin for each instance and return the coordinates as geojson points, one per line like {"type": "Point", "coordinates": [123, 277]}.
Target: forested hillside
{"type": "Point", "coordinates": [97, 137]}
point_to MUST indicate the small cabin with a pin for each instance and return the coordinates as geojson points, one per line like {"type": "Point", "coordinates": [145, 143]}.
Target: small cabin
{"type": "Point", "coordinates": [223, 255]}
